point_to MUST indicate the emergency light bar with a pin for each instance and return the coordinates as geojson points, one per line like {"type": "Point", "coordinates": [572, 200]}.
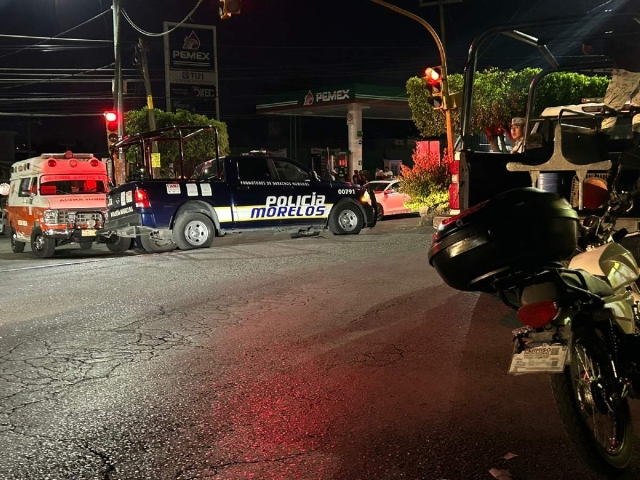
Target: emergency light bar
{"type": "Point", "coordinates": [68, 155]}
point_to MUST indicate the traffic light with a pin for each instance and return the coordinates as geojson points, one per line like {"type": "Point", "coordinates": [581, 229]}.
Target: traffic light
{"type": "Point", "coordinates": [230, 7]}
{"type": "Point", "coordinates": [112, 122]}
{"type": "Point", "coordinates": [433, 77]}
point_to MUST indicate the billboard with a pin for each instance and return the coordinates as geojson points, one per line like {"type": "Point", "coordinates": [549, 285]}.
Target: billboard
{"type": "Point", "coordinates": [191, 68]}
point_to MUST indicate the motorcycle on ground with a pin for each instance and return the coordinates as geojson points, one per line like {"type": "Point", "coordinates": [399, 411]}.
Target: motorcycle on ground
{"type": "Point", "coordinates": [580, 321]}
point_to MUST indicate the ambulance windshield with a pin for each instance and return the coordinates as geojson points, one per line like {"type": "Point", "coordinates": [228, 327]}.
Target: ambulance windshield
{"type": "Point", "coordinates": [72, 187]}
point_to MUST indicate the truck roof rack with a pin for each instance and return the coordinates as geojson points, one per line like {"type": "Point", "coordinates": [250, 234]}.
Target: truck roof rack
{"type": "Point", "coordinates": [174, 133]}
{"type": "Point", "coordinates": [521, 33]}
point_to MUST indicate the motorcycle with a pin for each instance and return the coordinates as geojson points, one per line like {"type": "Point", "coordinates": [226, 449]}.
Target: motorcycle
{"type": "Point", "coordinates": [574, 288]}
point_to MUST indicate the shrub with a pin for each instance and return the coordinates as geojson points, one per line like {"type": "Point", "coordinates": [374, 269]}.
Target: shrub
{"type": "Point", "coordinates": [427, 182]}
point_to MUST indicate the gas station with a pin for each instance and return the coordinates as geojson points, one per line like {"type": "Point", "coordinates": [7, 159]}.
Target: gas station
{"type": "Point", "coordinates": [354, 103]}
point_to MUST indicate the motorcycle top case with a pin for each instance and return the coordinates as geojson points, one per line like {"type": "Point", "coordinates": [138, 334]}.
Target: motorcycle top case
{"type": "Point", "coordinates": [516, 230]}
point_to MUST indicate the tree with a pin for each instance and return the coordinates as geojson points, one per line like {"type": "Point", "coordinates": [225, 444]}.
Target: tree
{"type": "Point", "coordinates": [500, 95]}
{"type": "Point", "coordinates": [196, 150]}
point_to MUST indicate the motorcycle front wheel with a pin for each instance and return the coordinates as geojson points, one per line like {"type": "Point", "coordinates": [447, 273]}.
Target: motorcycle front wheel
{"type": "Point", "coordinates": [587, 396]}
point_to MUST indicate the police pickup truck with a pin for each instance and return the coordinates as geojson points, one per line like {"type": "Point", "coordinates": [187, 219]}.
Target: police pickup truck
{"type": "Point", "coordinates": [235, 194]}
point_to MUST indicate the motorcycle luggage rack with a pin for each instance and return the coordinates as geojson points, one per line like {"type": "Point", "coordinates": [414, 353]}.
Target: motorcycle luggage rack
{"type": "Point", "coordinates": [507, 285]}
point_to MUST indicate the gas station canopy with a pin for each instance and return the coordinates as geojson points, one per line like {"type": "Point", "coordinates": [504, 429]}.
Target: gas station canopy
{"type": "Point", "coordinates": [375, 102]}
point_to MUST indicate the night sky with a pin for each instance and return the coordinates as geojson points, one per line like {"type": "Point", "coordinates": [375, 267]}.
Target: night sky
{"type": "Point", "coordinates": [274, 46]}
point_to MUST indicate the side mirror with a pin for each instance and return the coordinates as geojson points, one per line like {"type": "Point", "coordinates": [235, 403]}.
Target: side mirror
{"type": "Point", "coordinates": [4, 189]}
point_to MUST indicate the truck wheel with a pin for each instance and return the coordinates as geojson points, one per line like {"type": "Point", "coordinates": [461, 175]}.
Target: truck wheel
{"type": "Point", "coordinates": [86, 245]}
{"type": "Point", "coordinates": [155, 245]}
{"type": "Point", "coordinates": [346, 219]}
{"type": "Point", "coordinates": [16, 246]}
{"type": "Point", "coordinates": [193, 230]}
{"type": "Point", "coordinates": [42, 246]}
{"type": "Point", "coordinates": [119, 245]}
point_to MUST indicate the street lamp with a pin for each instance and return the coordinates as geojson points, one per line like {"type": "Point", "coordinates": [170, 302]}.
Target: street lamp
{"type": "Point", "coordinates": [447, 100]}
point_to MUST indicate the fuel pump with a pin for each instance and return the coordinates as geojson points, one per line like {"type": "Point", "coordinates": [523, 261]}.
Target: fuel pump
{"type": "Point", "coordinates": [341, 165]}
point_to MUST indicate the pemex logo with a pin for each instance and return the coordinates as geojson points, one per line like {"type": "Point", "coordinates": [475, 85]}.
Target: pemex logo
{"type": "Point", "coordinates": [308, 99]}
{"type": "Point", "coordinates": [191, 42]}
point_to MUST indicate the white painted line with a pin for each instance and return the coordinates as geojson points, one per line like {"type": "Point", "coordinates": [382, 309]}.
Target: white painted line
{"type": "Point", "coordinates": [37, 267]}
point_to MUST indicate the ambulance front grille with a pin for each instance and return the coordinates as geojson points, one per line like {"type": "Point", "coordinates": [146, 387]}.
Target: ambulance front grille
{"type": "Point", "coordinates": [80, 218]}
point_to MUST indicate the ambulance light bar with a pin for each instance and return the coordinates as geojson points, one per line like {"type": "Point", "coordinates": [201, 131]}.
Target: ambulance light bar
{"type": "Point", "coordinates": [67, 155]}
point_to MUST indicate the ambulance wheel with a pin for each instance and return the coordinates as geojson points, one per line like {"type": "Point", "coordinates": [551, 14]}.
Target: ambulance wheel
{"type": "Point", "coordinates": [120, 245]}
{"type": "Point", "coordinates": [193, 230]}
{"type": "Point", "coordinates": [42, 246]}
{"type": "Point", "coordinates": [86, 245]}
{"type": "Point", "coordinates": [346, 219]}
{"type": "Point", "coordinates": [16, 246]}
{"type": "Point", "coordinates": [156, 245]}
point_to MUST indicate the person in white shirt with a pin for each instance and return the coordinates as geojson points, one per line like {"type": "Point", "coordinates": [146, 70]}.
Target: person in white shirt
{"type": "Point", "coordinates": [388, 174]}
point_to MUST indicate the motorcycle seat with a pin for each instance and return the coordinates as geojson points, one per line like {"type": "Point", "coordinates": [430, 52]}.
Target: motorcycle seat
{"type": "Point", "coordinates": [593, 283]}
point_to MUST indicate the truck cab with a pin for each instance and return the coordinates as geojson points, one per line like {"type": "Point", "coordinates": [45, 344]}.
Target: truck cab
{"type": "Point", "coordinates": [55, 199]}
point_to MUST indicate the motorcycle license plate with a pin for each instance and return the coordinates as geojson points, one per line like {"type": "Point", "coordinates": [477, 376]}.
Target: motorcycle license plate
{"type": "Point", "coordinates": [89, 233]}
{"type": "Point", "coordinates": [540, 355]}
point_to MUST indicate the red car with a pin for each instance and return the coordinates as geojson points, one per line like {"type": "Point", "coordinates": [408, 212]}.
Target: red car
{"type": "Point", "coordinates": [390, 200]}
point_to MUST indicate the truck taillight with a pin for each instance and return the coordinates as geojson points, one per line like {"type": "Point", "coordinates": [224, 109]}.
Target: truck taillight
{"type": "Point", "coordinates": [94, 163]}
{"type": "Point", "coordinates": [141, 198]}
{"type": "Point", "coordinates": [454, 188]}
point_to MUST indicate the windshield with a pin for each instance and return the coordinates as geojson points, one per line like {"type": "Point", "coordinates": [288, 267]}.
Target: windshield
{"type": "Point", "coordinates": [378, 187]}
{"type": "Point", "coordinates": [72, 187]}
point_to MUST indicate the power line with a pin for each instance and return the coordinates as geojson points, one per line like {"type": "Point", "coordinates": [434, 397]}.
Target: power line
{"type": "Point", "coordinates": [59, 78]}
{"type": "Point", "coordinates": [58, 35]}
{"type": "Point", "coordinates": [149, 34]}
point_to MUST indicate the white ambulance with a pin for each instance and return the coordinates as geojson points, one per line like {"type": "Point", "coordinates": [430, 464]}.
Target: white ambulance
{"type": "Point", "coordinates": [57, 199]}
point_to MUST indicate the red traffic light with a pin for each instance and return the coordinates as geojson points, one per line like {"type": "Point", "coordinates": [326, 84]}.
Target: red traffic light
{"type": "Point", "coordinates": [433, 75]}
{"type": "Point", "coordinates": [111, 116]}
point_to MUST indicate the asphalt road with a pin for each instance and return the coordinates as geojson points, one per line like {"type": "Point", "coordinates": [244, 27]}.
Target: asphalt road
{"type": "Point", "coordinates": [266, 358]}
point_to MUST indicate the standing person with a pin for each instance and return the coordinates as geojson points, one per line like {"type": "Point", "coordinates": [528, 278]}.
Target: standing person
{"type": "Point", "coordinates": [517, 134]}
{"type": "Point", "coordinates": [387, 173]}
{"type": "Point", "coordinates": [379, 174]}
{"type": "Point", "coordinates": [355, 179]}
{"type": "Point", "coordinates": [617, 35]}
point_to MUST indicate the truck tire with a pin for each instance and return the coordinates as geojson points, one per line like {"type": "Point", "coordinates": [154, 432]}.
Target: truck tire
{"type": "Point", "coordinates": [86, 245]}
{"type": "Point", "coordinates": [42, 246]}
{"type": "Point", "coordinates": [193, 230]}
{"type": "Point", "coordinates": [153, 245]}
{"type": "Point", "coordinates": [346, 219]}
{"type": "Point", "coordinates": [119, 245]}
{"type": "Point", "coordinates": [16, 246]}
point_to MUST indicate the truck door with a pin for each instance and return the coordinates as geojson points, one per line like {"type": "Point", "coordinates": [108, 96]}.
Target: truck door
{"type": "Point", "coordinates": [254, 184]}
{"type": "Point", "coordinates": [304, 202]}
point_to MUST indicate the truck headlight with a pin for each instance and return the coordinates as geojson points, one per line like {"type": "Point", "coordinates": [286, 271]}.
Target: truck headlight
{"type": "Point", "coordinates": [366, 198]}
{"type": "Point", "coordinates": [50, 217]}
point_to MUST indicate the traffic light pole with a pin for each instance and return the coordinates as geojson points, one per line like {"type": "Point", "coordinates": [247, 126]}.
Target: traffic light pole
{"type": "Point", "coordinates": [443, 59]}
{"type": "Point", "coordinates": [120, 172]}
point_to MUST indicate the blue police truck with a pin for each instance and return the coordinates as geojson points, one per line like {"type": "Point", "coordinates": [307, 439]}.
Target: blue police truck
{"type": "Point", "coordinates": [236, 193]}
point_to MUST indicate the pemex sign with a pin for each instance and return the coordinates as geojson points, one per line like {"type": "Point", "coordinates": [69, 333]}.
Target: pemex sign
{"type": "Point", "coordinates": [191, 75]}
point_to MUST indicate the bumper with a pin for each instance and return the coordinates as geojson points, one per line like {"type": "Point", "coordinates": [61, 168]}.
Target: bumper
{"type": "Point", "coordinates": [130, 225]}
{"type": "Point", "coordinates": [71, 234]}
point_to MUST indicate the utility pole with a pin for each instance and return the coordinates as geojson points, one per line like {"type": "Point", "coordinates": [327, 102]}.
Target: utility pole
{"type": "Point", "coordinates": [118, 106]}
{"type": "Point", "coordinates": [441, 4]}
{"type": "Point", "coordinates": [142, 51]}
